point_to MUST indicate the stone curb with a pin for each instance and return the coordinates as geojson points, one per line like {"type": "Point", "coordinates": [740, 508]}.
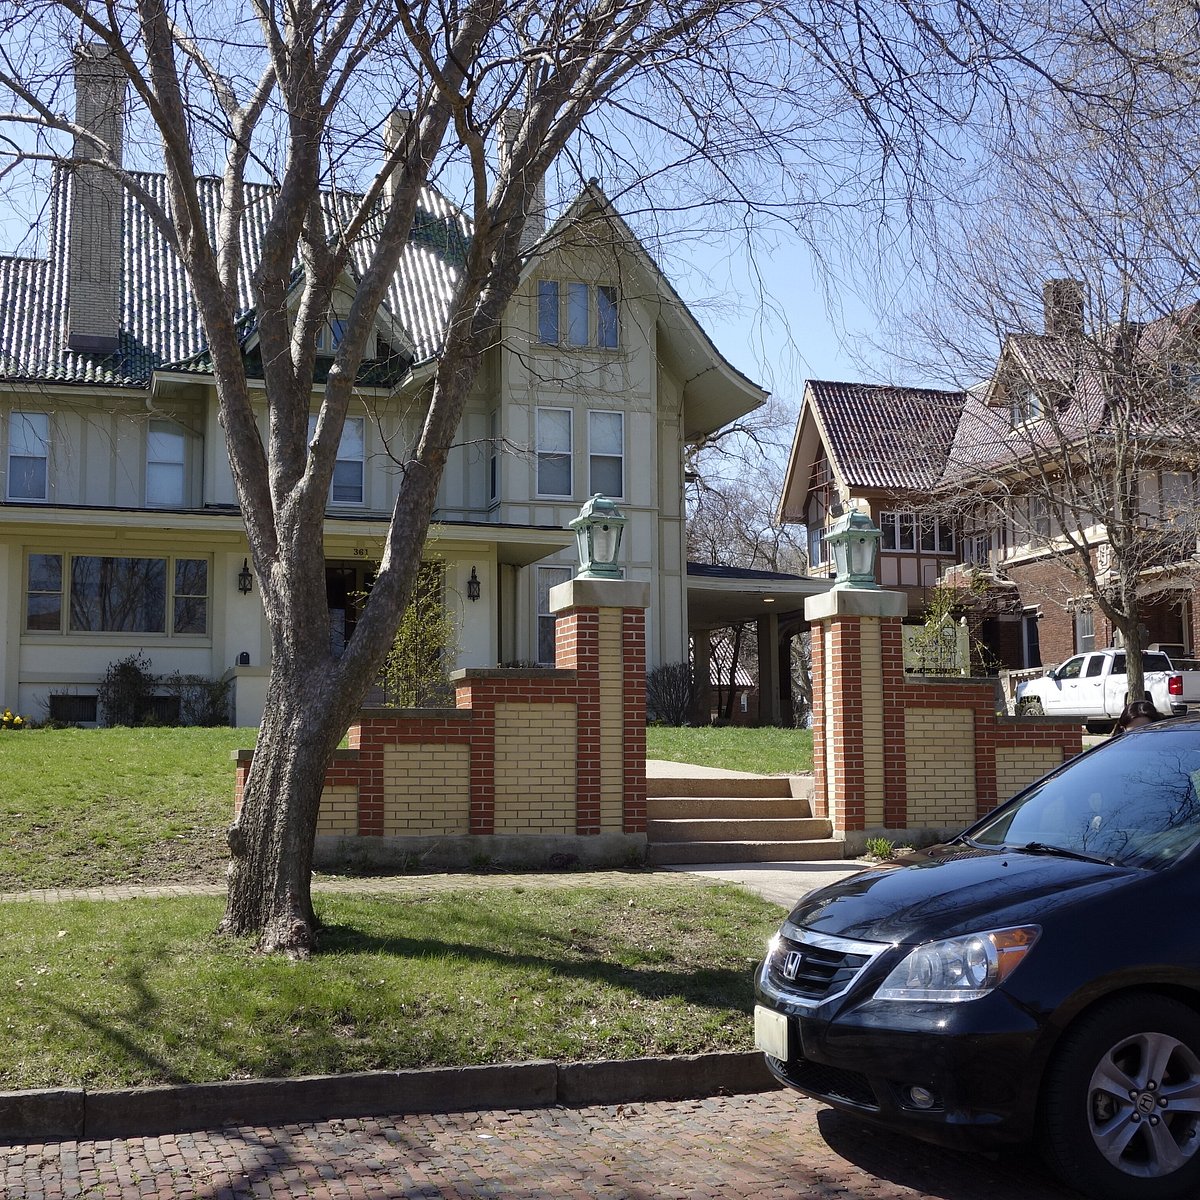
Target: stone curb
{"type": "Point", "coordinates": [72, 1114]}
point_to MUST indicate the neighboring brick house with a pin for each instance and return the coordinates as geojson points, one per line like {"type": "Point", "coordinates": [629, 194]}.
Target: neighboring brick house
{"type": "Point", "coordinates": [945, 474]}
{"type": "Point", "coordinates": [119, 526]}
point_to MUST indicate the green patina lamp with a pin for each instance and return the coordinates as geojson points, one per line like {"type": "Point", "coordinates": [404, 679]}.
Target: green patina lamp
{"type": "Point", "coordinates": [598, 531]}
{"type": "Point", "coordinates": [853, 540]}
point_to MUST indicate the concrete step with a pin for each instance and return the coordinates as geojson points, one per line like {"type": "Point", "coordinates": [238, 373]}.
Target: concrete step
{"type": "Point", "coordinates": [763, 829]}
{"type": "Point", "coordinates": [728, 785]}
{"type": "Point", "coordinates": [673, 853]}
{"type": "Point", "coordinates": [735, 807]}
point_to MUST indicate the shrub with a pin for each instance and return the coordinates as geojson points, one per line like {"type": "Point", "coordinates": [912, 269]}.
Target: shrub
{"type": "Point", "coordinates": [416, 673]}
{"type": "Point", "coordinates": [202, 701]}
{"type": "Point", "coordinates": [10, 720]}
{"type": "Point", "coordinates": [670, 694]}
{"type": "Point", "coordinates": [880, 847]}
{"type": "Point", "coordinates": [126, 692]}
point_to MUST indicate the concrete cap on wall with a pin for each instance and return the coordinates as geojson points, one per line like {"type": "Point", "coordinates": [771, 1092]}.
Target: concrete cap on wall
{"type": "Point", "coordinates": [599, 593]}
{"type": "Point", "coordinates": [855, 602]}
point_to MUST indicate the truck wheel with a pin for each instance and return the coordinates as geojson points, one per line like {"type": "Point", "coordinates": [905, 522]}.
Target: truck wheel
{"type": "Point", "coordinates": [1032, 708]}
{"type": "Point", "coordinates": [1121, 1103]}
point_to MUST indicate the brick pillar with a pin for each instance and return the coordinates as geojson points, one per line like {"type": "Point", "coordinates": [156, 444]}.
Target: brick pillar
{"type": "Point", "coordinates": [601, 635]}
{"type": "Point", "coordinates": [856, 656]}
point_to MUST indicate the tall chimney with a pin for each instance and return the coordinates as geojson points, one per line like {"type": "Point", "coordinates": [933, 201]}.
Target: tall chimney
{"type": "Point", "coordinates": [507, 131]}
{"type": "Point", "coordinates": [394, 129]}
{"type": "Point", "coordinates": [95, 248]}
{"type": "Point", "coordinates": [1062, 304]}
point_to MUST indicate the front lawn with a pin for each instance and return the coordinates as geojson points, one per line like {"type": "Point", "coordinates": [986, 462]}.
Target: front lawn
{"type": "Point", "coordinates": [766, 751]}
{"type": "Point", "coordinates": [142, 992]}
{"type": "Point", "coordinates": [80, 807]}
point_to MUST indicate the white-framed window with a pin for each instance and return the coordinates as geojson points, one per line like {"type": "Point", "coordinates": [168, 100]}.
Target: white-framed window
{"type": "Point", "coordinates": [1178, 489]}
{"type": "Point", "coordinates": [1025, 405]}
{"type": "Point", "coordinates": [28, 455]}
{"type": "Point", "coordinates": [329, 336]}
{"type": "Point", "coordinates": [91, 593]}
{"type": "Point", "coordinates": [554, 466]}
{"type": "Point", "coordinates": [166, 452]}
{"type": "Point", "coordinates": [977, 548]}
{"type": "Point", "coordinates": [606, 454]}
{"type": "Point", "coordinates": [349, 469]}
{"type": "Point", "coordinates": [547, 578]}
{"type": "Point", "coordinates": [578, 314]}
{"type": "Point", "coordinates": [816, 545]}
{"type": "Point", "coordinates": [1085, 630]}
{"type": "Point", "coordinates": [899, 530]}
{"type": "Point", "coordinates": [1039, 518]}
{"type": "Point", "coordinates": [937, 535]}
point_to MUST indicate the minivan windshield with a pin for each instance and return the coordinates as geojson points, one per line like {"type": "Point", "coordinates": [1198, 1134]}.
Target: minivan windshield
{"type": "Point", "coordinates": [1133, 802]}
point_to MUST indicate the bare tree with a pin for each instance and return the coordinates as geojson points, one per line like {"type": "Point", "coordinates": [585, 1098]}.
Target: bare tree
{"type": "Point", "coordinates": [1076, 450]}
{"type": "Point", "coordinates": [766, 106]}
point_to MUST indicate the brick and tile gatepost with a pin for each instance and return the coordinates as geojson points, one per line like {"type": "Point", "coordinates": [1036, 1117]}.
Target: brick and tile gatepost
{"type": "Point", "coordinates": [600, 633]}
{"type": "Point", "coordinates": [857, 664]}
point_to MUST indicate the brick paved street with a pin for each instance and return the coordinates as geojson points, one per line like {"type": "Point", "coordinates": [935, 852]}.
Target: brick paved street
{"type": "Point", "coordinates": [774, 1145]}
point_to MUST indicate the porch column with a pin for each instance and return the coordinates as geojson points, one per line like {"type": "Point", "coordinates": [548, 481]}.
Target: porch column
{"type": "Point", "coordinates": [768, 669]}
{"type": "Point", "coordinates": [702, 676]}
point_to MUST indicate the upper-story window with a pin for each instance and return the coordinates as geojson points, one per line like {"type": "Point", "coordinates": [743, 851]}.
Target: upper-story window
{"type": "Point", "coordinates": [1178, 492]}
{"type": "Point", "coordinates": [577, 314]}
{"type": "Point", "coordinates": [899, 530]}
{"type": "Point", "coordinates": [554, 452]}
{"type": "Point", "coordinates": [1025, 405]}
{"type": "Point", "coordinates": [166, 446]}
{"type": "Point", "coordinates": [937, 535]}
{"type": "Point", "coordinates": [494, 454]}
{"type": "Point", "coordinates": [28, 455]}
{"type": "Point", "coordinates": [606, 454]}
{"type": "Point", "coordinates": [349, 469]}
{"type": "Point", "coordinates": [1039, 517]}
{"type": "Point", "coordinates": [329, 336]}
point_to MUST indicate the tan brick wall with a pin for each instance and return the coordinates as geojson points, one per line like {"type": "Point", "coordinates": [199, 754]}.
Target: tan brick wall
{"type": "Point", "coordinates": [426, 789]}
{"type": "Point", "coordinates": [612, 717]}
{"type": "Point", "coordinates": [940, 771]}
{"type": "Point", "coordinates": [872, 715]}
{"type": "Point", "coordinates": [535, 768]}
{"type": "Point", "coordinates": [339, 811]}
{"type": "Point", "coordinates": [1017, 766]}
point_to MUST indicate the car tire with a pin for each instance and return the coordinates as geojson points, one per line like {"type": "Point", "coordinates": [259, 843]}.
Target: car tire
{"type": "Point", "coordinates": [1108, 1125]}
{"type": "Point", "coordinates": [1031, 708]}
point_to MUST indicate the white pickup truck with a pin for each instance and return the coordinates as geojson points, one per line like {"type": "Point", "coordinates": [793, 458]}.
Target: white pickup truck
{"type": "Point", "coordinates": [1093, 686]}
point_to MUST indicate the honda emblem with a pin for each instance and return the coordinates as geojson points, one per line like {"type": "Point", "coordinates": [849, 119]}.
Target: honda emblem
{"type": "Point", "coordinates": [791, 964]}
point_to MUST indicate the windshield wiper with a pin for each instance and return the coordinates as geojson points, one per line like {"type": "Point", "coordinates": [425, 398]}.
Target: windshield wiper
{"type": "Point", "coordinates": [1063, 852]}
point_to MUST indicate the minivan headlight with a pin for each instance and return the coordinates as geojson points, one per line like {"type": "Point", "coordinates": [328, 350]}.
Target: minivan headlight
{"type": "Point", "coordinates": [959, 968]}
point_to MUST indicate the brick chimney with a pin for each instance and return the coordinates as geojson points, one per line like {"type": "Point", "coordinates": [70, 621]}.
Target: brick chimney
{"type": "Point", "coordinates": [1062, 303]}
{"type": "Point", "coordinates": [95, 249]}
{"type": "Point", "coordinates": [507, 131]}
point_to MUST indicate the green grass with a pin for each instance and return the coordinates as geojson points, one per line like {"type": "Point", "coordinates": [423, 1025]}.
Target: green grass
{"type": "Point", "coordinates": [763, 751]}
{"type": "Point", "coordinates": [142, 992]}
{"type": "Point", "coordinates": [80, 807]}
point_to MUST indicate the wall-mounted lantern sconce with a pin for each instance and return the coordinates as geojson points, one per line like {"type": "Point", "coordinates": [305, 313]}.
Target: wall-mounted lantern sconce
{"type": "Point", "coordinates": [473, 586]}
{"type": "Point", "coordinates": [245, 578]}
{"type": "Point", "coordinates": [598, 530]}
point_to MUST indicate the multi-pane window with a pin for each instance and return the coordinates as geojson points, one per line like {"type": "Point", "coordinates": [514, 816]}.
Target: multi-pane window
{"type": "Point", "coordinates": [1085, 633]}
{"type": "Point", "coordinates": [937, 535]}
{"type": "Point", "coordinates": [108, 594]}
{"type": "Point", "coordinates": [578, 314]}
{"type": "Point", "coordinates": [28, 455]}
{"type": "Point", "coordinates": [606, 454]}
{"type": "Point", "coordinates": [1039, 517]}
{"type": "Point", "coordinates": [329, 336]}
{"type": "Point", "coordinates": [977, 548]}
{"type": "Point", "coordinates": [547, 578]}
{"type": "Point", "coordinates": [165, 453]}
{"type": "Point", "coordinates": [1025, 406]}
{"type": "Point", "coordinates": [554, 452]}
{"type": "Point", "coordinates": [899, 530]}
{"type": "Point", "coordinates": [349, 469]}
{"type": "Point", "coordinates": [1178, 497]}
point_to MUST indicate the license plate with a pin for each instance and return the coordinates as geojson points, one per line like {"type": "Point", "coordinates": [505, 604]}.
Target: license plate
{"type": "Point", "coordinates": [771, 1032]}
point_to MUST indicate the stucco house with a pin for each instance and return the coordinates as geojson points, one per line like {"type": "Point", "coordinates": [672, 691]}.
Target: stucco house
{"type": "Point", "coordinates": [119, 526]}
{"type": "Point", "coordinates": [975, 483]}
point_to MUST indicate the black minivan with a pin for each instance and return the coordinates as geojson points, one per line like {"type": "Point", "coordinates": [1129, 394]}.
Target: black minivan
{"type": "Point", "coordinates": [1035, 979]}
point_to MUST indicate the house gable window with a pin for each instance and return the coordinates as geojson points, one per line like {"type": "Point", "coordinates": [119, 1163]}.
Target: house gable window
{"type": "Point", "coordinates": [349, 470]}
{"type": "Point", "coordinates": [166, 446]}
{"type": "Point", "coordinates": [606, 454]}
{"type": "Point", "coordinates": [28, 455]}
{"type": "Point", "coordinates": [554, 435]}
{"type": "Point", "coordinates": [1025, 406]}
{"type": "Point", "coordinates": [102, 594]}
{"type": "Point", "coordinates": [547, 578]}
{"type": "Point", "coordinates": [578, 314]}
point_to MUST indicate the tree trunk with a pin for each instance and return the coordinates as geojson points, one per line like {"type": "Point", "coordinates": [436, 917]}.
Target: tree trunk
{"type": "Point", "coordinates": [271, 840]}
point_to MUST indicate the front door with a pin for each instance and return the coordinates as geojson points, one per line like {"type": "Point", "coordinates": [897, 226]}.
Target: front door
{"type": "Point", "coordinates": [346, 586]}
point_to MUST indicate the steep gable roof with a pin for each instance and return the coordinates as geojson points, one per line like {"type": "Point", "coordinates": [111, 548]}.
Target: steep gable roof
{"type": "Point", "coordinates": [881, 436]}
{"type": "Point", "coordinates": [160, 323]}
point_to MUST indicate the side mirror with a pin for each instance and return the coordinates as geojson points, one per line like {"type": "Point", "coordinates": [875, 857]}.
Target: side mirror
{"type": "Point", "coordinates": [1050, 674]}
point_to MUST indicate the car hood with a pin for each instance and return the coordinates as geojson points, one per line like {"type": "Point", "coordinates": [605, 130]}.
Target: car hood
{"type": "Point", "coordinates": [952, 889]}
